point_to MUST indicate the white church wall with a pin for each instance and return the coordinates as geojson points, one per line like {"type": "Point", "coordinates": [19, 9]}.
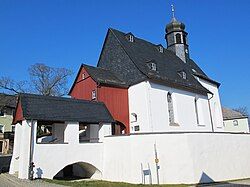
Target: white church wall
{"type": "Point", "coordinates": [149, 102]}
{"type": "Point", "coordinates": [14, 166]}
{"type": "Point", "coordinates": [215, 104]}
{"type": "Point", "coordinates": [183, 158]}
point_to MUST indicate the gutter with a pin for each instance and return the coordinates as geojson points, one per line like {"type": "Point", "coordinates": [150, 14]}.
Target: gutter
{"type": "Point", "coordinates": [31, 164]}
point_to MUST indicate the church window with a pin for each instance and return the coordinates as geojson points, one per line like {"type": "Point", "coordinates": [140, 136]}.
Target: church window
{"type": "Point", "coordinates": [235, 122]}
{"type": "Point", "coordinates": [178, 38]}
{"type": "Point", "coordinates": [170, 108]}
{"type": "Point", "coordinates": [196, 110]}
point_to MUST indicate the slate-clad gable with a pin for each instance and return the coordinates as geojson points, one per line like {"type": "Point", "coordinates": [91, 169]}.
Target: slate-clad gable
{"type": "Point", "coordinates": [129, 61]}
{"type": "Point", "coordinates": [50, 108]}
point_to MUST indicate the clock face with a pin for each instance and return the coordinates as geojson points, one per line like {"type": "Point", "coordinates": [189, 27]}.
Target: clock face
{"type": "Point", "coordinates": [186, 50]}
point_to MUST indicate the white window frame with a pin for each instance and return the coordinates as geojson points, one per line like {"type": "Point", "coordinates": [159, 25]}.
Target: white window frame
{"type": "Point", "coordinates": [83, 76]}
{"type": "Point", "coordinates": [153, 66]}
{"type": "Point", "coordinates": [160, 49]}
{"type": "Point", "coordinates": [93, 94]}
{"type": "Point", "coordinates": [131, 38]}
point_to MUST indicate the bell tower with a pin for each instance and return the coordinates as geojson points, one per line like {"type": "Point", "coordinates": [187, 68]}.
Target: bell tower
{"type": "Point", "coordinates": [176, 38]}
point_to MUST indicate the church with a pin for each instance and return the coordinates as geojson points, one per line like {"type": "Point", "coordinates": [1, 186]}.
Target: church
{"type": "Point", "coordinates": [146, 114]}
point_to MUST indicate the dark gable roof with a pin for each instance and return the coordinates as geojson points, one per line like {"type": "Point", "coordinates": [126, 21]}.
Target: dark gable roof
{"type": "Point", "coordinates": [52, 108]}
{"type": "Point", "coordinates": [168, 64]}
{"type": "Point", "coordinates": [231, 114]}
{"type": "Point", "coordinates": [104, 76]}
{"type": "Point", "coordinates": [7, 100]}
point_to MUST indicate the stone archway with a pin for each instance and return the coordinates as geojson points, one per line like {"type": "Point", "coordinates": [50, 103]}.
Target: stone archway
{"type": "Point", "coordinates": [78, 170]}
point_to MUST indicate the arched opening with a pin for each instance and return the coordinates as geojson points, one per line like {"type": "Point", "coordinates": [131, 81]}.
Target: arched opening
{"type": "Point", "coordinates": [118, 128]}
{"type": "Point", "coordinates": [178, 38]}
{"type": "Point", "coordinates": [79, 170]}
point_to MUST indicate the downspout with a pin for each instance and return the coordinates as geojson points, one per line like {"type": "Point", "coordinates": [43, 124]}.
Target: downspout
{"type": "Point", "coordinates": [211, 112]}
{"type": "Point", "coordinates": [31, 164]}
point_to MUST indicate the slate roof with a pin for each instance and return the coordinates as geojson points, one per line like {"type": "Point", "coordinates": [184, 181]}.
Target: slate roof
{"type": "Point", "coordinates": [142, 52]}
{"type": "Point", "coordinates": [7, 100]}
{"type": "Point", "coordinates": [231, 114]}
{"type": "Point", "coordinates": [104, 76]}
{"type": "Point", "coordinates": [51, 108]}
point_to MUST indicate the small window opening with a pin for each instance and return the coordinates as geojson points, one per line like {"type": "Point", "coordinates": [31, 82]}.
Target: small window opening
{"type": "Point", "coordinates": [196, 110]}
{"type": "Point", "coordinates": [131, 38]}
{"type": "Point", "coordinates": [1, 128]}
{"type": "Point", "coordinates": [183, 74]}
{"type": "Point", "coordinates": [133, 117]}
{"type": "Point", "coordinates": [235, 122]}
{"type": "Point", "coordinates": [160, 49]}
{"type": "Point", "coordinates": [93, 94]}
{"type": "Point", "coordinates": [178, 38]}
{"type": "Point", "coordinates": [83, 76]}
{"type": "Point", "coordinates": [153, 66]}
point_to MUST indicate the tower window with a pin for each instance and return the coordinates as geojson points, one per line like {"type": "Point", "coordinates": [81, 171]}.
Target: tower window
{"type": "Point", "coordinates": [170, 108]}
{"type": "Point", "coordinates": [185, 39]}
{"type": "Point", "coordinates": [178, 38]}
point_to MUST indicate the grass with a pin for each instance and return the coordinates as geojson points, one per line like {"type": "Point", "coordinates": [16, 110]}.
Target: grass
{"type": "Point", "coordinates": [100, 183]}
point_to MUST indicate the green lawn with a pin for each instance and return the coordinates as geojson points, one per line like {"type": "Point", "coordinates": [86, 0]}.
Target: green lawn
{"type": "Point", "coordinates": [95, 183]}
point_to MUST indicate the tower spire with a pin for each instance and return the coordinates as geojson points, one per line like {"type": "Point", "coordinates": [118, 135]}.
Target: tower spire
{"type": "Point", "coordinates": [172, 9]}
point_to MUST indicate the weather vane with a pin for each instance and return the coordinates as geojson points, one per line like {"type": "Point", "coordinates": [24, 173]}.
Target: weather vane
{"type": "Point", "coordinates": [172, 9]}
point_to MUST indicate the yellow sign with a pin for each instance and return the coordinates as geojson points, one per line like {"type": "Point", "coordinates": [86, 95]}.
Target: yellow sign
{"type": "Point", "coordinates": [156, 160]}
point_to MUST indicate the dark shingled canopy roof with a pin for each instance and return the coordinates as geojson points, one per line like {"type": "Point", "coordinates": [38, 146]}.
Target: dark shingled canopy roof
{"type": "Point", "coordinates": [52, 108]}
{"type": "Point", "coordinates": [7, 100]}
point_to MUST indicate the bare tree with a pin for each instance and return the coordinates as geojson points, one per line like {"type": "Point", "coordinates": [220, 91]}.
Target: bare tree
{"type": "Point", "coordinates": [47, 80]}
{"type": "Point", "coordinates": [243, 110]}
{"type": "Point", "coordinates": [9, 84]}
{"type": "Point", "coordinates": [44, 80]}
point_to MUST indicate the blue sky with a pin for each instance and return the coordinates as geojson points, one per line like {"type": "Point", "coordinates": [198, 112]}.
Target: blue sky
{"type": "Point", "coordinates": [66, 33]}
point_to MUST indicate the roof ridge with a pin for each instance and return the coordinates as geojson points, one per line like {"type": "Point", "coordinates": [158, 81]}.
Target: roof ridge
{"type": "Point", "coordinates": [37, 96]}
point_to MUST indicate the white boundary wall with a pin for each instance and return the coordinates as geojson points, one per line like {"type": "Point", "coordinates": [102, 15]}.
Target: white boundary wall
{"type": "Point", "coordinates": [183, 158]}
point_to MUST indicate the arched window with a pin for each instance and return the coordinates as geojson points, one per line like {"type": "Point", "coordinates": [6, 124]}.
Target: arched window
{"type": "Point", "coordinates": [196, 110]}
{"type": "Point", "coordinates": [170, 108]}
{"type": "Point", "coordinates": [184, 38]}
{"type": "Point", "coordinates": [178, 38]}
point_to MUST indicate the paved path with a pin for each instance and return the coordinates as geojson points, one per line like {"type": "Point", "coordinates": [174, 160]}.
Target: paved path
{"type": "Point", "coordinates": [7, 180]}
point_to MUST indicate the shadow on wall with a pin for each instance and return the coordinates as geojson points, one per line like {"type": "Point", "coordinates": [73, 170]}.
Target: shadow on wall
{"type": "Point", "coordinates": [79, 170]}
{"type": "Point", "coordinates": [205, 180]}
